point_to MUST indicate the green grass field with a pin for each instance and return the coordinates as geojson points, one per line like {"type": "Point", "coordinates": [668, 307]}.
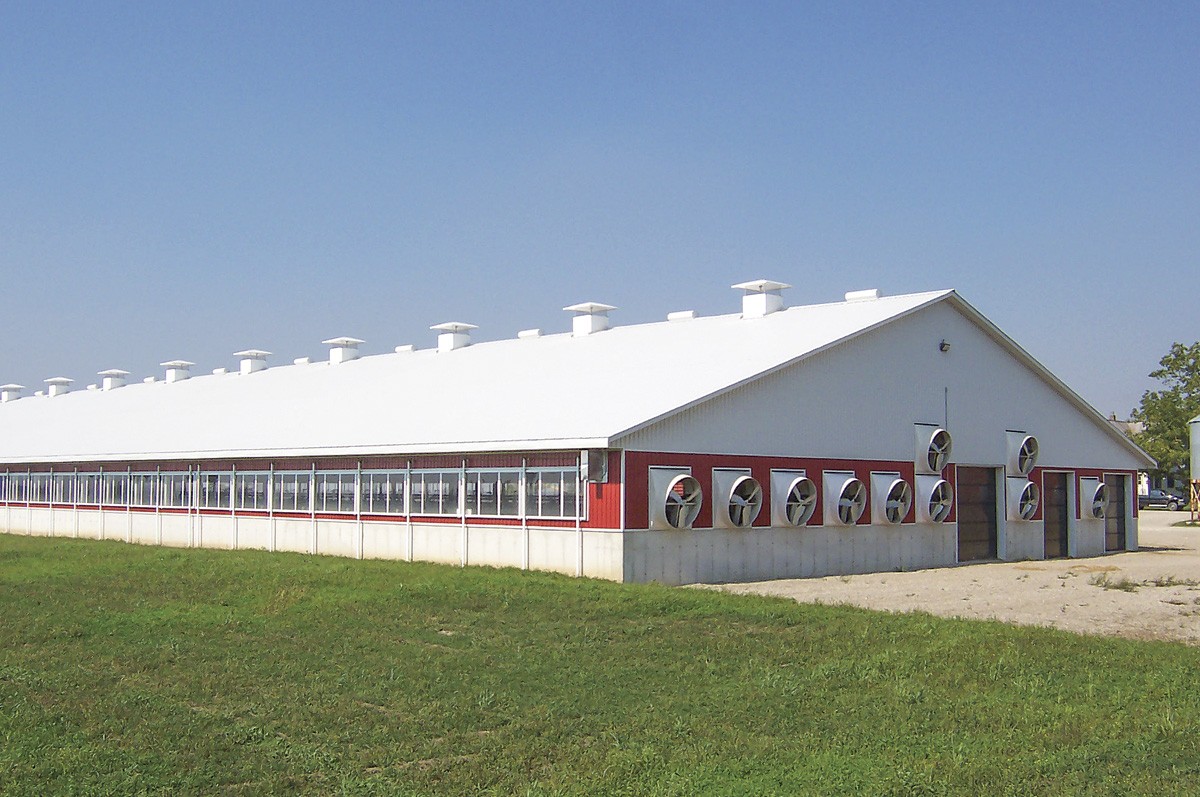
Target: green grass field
{"type": "Point", "coordinates": [136, 670]}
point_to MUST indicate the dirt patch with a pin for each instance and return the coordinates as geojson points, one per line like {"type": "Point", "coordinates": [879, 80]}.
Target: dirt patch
{"type": "Point", "coordinates": [1153, 593]}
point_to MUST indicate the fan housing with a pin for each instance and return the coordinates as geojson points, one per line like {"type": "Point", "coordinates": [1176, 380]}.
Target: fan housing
{"type": "Point", "coordinates": [845, 498]}
{"type": "Point", "coordinates": [675, 498]}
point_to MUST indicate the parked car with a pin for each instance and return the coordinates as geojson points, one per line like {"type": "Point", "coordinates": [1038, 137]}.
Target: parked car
{"type": "Point", "coordinates": [1161, 499]}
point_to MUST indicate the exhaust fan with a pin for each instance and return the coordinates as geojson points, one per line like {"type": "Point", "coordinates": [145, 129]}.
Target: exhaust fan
{"type": "Point", "coordinates": [793, 498]}
{"type": "Point", "coordinates": [845, 498]}
{"type": "Point", "coordinates": [675, 498]}
{"type": "Point", "coordinates": [1023, 499]}
{"type": "Point", "coordinates": [742, 496]}
{"type": "Point", "coordinates": [934, 445]}
{"type": "Point", "coordinates": [935, 499]}
{"type": "Point", "coordinates": [1022, 453]}
{"type": "Point", "coordinates": [892, 498]}
{"type": "Point", "coordinates": [1095, 498]}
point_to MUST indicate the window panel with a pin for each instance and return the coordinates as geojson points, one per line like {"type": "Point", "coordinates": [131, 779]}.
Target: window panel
{"type": "Point", "coordinates": [291, 492]}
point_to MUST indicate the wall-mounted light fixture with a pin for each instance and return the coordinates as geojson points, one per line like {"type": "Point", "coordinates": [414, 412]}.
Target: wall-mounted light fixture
{"type": "Point", "coordinates": [944, 345]}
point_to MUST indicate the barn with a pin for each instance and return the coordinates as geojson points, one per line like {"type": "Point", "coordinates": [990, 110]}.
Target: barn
{"type": "Point", "coordinates": [870, 434]}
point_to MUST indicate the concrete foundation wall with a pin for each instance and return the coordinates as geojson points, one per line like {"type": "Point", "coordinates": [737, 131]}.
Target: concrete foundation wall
{"type": "Point", "coordinates": [1022, 540]}
{"type": "Point", "coordinates": [1087, 538]}
{"type": "Point", "coordinates": [593, 553]}
{"type": "Point", "coordinates": [717, 555]}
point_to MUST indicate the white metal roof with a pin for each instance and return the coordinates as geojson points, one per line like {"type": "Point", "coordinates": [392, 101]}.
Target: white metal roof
{"type": "Point", "coordinates": [553, 391]}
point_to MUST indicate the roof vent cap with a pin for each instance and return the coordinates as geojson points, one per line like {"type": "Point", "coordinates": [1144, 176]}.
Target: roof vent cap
{"type": "Point", "coordinates": [150, 380]}
{"type": "Point", "coordinates": [343, 349]}
{"type": "Point", "coordinates": [405, 348]}
{"type": "Point", "coordinates": [113, 378]}
{"type": "Point", "coordinates": [59, 385]}
{"type": "Point", "coordinates": [761, 297]}
{"type": "Point", "coordinates": [590, 318]}
{"type": "Point", "coordinates": [252, 360]}
{"type": "Point", "coordinates": [454, 335]}
{"type": "Point", "coordinates": [681, 315]}
{"type": "Point", "coordinates": [524, 334]}
{"type": "Point", "coordinates": [863, 296]}
{"type": "Point", "coordinates": [220, 371]}
{"type": "Point", "coordinates": [10, 392]}
{"type": "Point", "coordinates": [177, 370]}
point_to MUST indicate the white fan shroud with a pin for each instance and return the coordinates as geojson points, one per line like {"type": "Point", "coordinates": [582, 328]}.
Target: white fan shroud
{"type": "Point", "coordinates": [1023, 450]}
{"type": "Point", "coordinates": [794, 498]}
{"type": "Point", "coordinates": [934, 447]}
{"type": "Point", "coordinates": [1099, 503]}
{"type": "Point", "coordinates": [934, 499]}
{"type": "Point", "coordinates": [845, 498]}
{"type": "Point", "coordinates": [941, 502]}
{"type": "Point", "coordinates": [1023, 499]}
{"type": "Point", "coordinates": [801, 501]}
{"type": "Point", "coordinates": [675, 498]}
{"type": "Point", "coordinates": [897, 501]}
{"type": "Point", "coordinates": [744, 502]}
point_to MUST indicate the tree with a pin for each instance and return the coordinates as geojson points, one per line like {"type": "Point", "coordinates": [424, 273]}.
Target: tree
{"type": "Point", "coordinates": [1166, 412]}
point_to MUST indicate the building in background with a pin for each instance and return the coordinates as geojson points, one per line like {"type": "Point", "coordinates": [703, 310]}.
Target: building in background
{"type": "Point", "coordinates": [871, 434]}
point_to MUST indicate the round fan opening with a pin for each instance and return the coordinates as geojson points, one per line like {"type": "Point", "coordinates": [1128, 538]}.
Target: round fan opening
{"type": "Point", "coordinates": [1100, 501]}
{"type": "Point", "coordinates": [745, 502]}
{"type": "Point", "coordinates": [1028, 504]}
{"type": "Point", "coordinates": [940, 446]}
{"type": "Point", "coordinates": [1027, 456]}
{"type": "Point", "coordinates": [941, 501]}
{"type": "Point", "coordinates": [683, 500]}
{"type": "Point", "coordinates": [801, 501]}
{"type": "Point", "coordinates": [898, 501]}
{"type": "Point", "coordinates": [852, 500]}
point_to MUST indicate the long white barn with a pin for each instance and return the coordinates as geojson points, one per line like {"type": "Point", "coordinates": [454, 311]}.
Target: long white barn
{"type": "Point", "coordinates": [876, 433]}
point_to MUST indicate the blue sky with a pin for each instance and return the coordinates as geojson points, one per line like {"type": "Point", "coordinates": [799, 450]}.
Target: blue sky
{"type": "Point", "coordinates": [187, 180]}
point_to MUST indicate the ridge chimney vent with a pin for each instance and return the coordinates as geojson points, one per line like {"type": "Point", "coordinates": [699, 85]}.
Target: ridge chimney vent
{"type": "Point", "coordinates": [524, 334]}
{"type": "Point", "coordinates": [405, 349]}
{"type": "Point", "coordinates": [761, 297]}
{"type": "Point", "coordinates": [10, 392]}
{"type": "Point", "coordinates": [590, 318]}
{"type": "Point", "coordinates": [113, 378]}
{"type": "Point", "coordinates": [220, 371]}
{"type": "Point", "coordinates": [177, 370]}
{"type": "Point", "coordinates": [150, 380]}
{"type": "Point", "coordinates": [302, 361]}
{"type": "Point", "coordinates": [343, 350]}
{"type": "Point", "coordinates": [454, 335]}
{"type": "Point", "coordinates": [681, 315]}
{"type": "Point", "coordinates": [863, 296]}
{"type": "Point", "coordinates": [252, 360]}
{"type": "Point", "coordinates": [59, 385]}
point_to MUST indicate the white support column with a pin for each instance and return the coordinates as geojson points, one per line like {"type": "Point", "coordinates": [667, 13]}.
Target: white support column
{"type": "Point", "coordinates": [408, 505]}
{"type": "Point", "coordinates": [579, 484]}
{"type": "Point", "coordinates": [358, 552]}
{"type": "Point", "coordinates": [158, 501]}
{"type": "Point", "coordinates": [75, 506]}
{"type": "Point", "coordinates": [271, 543]}
{"type": "Point", "coordinates": [524, 515]}
{"type": "Point", "coordinates": [462, 511]}
{"type": "Point", "coordinates": [129, 504]}
{"type": "Point", "coordinates": [312, 505]}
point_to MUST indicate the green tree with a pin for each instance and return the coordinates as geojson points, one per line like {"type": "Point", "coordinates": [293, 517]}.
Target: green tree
{"type": "Point", "coordinates": [1165, 413]}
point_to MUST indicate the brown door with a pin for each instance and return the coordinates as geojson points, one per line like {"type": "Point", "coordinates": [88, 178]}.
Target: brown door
{"type": "Point", "coordinates": [978, 527]}
{"type": "Point", "coordinates": [1054, 516]}
{"type": "Point", "coordinates": [1114, 513]}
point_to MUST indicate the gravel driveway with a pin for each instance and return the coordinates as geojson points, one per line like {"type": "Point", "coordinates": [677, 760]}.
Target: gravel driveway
{"type": "Point", "coordinates": [1153, 593]}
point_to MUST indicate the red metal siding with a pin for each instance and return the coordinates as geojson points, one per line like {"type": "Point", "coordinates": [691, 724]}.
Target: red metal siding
{"type": "Point", "coordinates": [638, 464]}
